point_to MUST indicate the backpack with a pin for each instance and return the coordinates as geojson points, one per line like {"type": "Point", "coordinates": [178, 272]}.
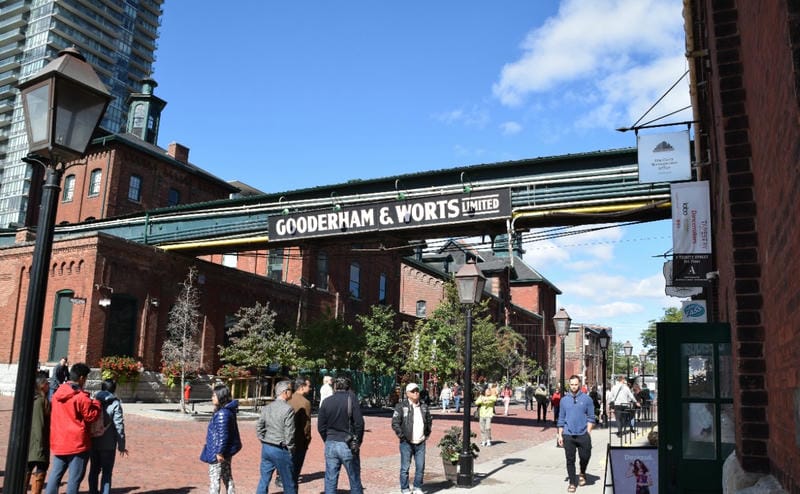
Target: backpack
{"type": "Point", "coordinates": [101, 425]}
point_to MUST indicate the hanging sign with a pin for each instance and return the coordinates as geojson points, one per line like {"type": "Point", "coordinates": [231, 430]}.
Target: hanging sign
{"type": "Point", "coordinates": [691, 233]}
{"type": "Point", "coordinates": [694, 311]}
{"type": "Point", "coordinates": [664, 157]}
{"type": "Point", "coordinates": [445, 209]}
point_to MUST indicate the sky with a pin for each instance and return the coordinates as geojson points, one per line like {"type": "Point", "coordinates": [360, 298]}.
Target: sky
{"type": "Point", "coordinates": [290, 95]}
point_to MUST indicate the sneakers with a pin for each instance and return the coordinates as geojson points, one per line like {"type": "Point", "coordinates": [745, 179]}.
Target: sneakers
{"type": "Point", "coordinates": [417, 491]}
{"type": "Point", "coordinates": [405, 491]}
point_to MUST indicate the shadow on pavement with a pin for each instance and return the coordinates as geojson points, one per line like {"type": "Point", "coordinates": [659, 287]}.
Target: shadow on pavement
{"type": "Point", "coordinates": [179, 490]}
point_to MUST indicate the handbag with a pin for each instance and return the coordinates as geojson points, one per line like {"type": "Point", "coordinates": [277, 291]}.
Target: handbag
{"type": "Point", "coordinates": [351, 439]}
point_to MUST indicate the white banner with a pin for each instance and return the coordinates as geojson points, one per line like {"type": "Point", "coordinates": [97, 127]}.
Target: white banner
{"type": "Point", "coordinates": [694, 311]}
{"type": "Point", "coordinates": [691, 218]}
{"type": "Point", "coordinates": [664, 157]}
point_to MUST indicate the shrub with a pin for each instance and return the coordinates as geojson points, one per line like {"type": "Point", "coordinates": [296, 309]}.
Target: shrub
{"type": "Point", "coordinates": [120, 368]}
{"type": "Point", "coordinates": [230, 371]}
{"type": "Point", "coordinates": [172, 374]}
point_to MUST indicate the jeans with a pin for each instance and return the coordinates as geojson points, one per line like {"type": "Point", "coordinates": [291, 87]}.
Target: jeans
{"type": "Point", "coordinates": [445, 404]}
{"type": "Point", "coordinates": [337, 453]}
{"type": "Point", "coordinates": [583, 445]}
{"type": "Point", "coordinates": [101, 466]}
{"type": "Point", "coordinates": [275, 458]}
{"type": "Point", "coordinates": [77, 469]}
{"type": "Point", "coordinates": [457, 399]}
{"type": "Point", "coordinates": [406, 451]}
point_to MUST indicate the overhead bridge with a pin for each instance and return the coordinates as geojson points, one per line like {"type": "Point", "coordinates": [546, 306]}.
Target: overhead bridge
{"type": "Point", "coordinates": [571, 189]}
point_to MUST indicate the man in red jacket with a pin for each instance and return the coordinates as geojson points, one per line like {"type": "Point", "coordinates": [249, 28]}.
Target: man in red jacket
{"type": "Point", "coordinates": [71, 413]}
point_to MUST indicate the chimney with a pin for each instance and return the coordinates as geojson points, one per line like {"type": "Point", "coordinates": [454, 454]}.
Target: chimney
{"type": "Point", "coordinates": [179, 152]}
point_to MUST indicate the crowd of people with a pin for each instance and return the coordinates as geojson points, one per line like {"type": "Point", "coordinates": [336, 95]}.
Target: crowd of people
{"type": "Point", "coordinates": [72, 431]}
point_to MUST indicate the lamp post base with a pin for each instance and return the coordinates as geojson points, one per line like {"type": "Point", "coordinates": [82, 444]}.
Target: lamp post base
{"type": "Point", "coordinates": [465, 475]}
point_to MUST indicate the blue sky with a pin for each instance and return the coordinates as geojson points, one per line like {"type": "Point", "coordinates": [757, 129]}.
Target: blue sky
{"type": "Point", "coordinates": [288, 95]}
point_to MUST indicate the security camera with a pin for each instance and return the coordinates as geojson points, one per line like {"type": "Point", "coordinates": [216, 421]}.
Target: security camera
{"type": "Point", "coordinates": [712, 275]}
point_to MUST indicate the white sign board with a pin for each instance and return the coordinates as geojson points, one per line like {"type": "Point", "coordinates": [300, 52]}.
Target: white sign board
{"type": "Point", "coordinates": [664, 157]}
{"type": "Point", "coordinates": [691, 233]}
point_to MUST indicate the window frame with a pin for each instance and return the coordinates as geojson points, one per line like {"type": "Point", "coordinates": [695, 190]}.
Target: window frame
{"type": "Point", "coordinates": [69, 188]}
{"type": "Point", "coordinates": [354, 285]}
{"type": "Point", "coordinates": [137, 188]}
{"type": "Point", "coordinates": [95, 179]}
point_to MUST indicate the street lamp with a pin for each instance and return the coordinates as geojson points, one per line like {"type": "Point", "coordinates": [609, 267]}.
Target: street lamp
{"type": "Point", "coordinates": [62, 104]}
{"type": "Point", "coordinates": [604, 339]}
{"type": "Point", "coordinates": [628, 349]}
{"type": "Point", "coordinates": [470, 283]}
{"type": "Point", "coordinates": [562, 322]}
{"type": "Point", "coordinates": [642, 362]}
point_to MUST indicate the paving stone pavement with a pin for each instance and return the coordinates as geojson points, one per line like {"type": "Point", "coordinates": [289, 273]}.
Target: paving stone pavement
{"type": "Point", "coordinates": [165, 447]}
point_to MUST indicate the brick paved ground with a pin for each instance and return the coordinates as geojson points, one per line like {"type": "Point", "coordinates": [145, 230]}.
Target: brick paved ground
{"type": "Point", "coordinates": [164, 453]}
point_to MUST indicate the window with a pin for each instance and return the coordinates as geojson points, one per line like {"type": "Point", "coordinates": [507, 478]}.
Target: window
{"type": "Point", "coordinates": [322, 271]}
{"type": "Point", "coordinates": [174, 197]}
{"type": "Point", "coordinates": [94, 182]}
{"type": "Point", "coordinates": [69, 188]}
{"type": "Point", "coordinates": [421, 308]}
{"type": "Point", "coordinates": [275, 264]}
{"type": "Point", "coordinates": [355, 280]}
{"type": "Point", "coordinates": [230, 260]}
{"type": "Point", "coordinates": [62, 322]}
{"type": "Point", "coordinates": [382, 289]}
{"type": "Point", "coordinates": [135, 188]}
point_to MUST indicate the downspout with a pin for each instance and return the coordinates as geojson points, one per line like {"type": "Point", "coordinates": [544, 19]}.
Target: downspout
{"type": "Point", "coordinates": [103, 213]}
{"type": "Point", "coordinates": [693, 55]}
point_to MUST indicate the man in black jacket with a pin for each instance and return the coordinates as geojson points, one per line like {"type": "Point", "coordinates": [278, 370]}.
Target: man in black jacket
{"type": "Point", "coordinates": [411, 422]}
{"type": "Point", "coordinates": [340, 418]}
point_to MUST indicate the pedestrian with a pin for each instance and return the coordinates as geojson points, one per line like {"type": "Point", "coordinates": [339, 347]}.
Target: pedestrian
{"type": "Point", "coordinates": [541, 403]}
{"type": "Point", "coordinates": [222, 440]}
{"type": "Point", "coordinates": [302, 424]}
{"type": "Point", "coordinates": [555, 400]}
{"type": "Point", "coordinates": [622, 400]}
{"type": "Point", "coordinates": [275, 430]}
{"type": "Point", "coordinates": [72, 410]}
{"type": "Point", "coordinates": [105, 447]}
{"type": "Point", "coordinates": [530, 395]}
{"type": "Point", "coordinates": [326, 389]}
{"type": "Point", "coordinates": [411, 421]}
{"type": "Point", "coordinates": [59, 377]}
{"type": "Point", "coordinates": [594, 394]}
{"type": "Point", "coordinates": [39, 442]}
{"type": "Point", "coordinates": [506, 394]}
{"type": "Point", "coordinates": [485, 406]}
{"type": "Point", "coordinates": [341, 426]}
{"type": "Point", "coordinates": [575, 422]}
{"type": "Point", "coordinates": [445, 396]}
{"type": "Point", "coordinates": [458, 395]}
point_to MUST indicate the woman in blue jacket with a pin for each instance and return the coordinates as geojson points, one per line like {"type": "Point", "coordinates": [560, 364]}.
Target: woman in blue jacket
{"type": "Point", "coordinates": [222, 440]}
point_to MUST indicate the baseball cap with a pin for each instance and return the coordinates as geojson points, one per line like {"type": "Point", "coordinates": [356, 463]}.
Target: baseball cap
{"type": "Point", "coordinates": [411, 387]}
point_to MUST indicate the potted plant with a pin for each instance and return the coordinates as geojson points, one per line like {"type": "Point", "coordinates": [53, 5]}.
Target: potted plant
{"type": "Point", "coordinates": [450, 450]}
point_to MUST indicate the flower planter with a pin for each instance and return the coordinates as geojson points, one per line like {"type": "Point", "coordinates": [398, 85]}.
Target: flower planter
{"type": "Point", "coordinates": [450, 471]}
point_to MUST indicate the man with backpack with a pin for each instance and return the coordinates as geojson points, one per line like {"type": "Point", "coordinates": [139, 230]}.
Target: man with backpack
{"type": "Point", "coordinates": [108, 435]}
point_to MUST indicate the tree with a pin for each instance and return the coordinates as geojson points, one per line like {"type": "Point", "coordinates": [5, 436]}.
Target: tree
{"type": "Point", "coordinates": [180, 350]}
{"type": "Point", "coordinates": [255, 342]}
{"type": "Point", "coordinates": [381, 355]}
{"type": "Point", "coordinates": [510, 349]}
{"type": "Point", "coordinates": [330, 343]}
{"type": "Point", "coordinates": [648, 336]}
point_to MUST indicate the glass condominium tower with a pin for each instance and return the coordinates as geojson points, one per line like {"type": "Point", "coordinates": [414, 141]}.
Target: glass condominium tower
{"type": "Point", "coordinates": [117, 37]}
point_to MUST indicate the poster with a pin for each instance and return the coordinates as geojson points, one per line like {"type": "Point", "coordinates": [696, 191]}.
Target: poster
{"type": "Point", "coordinates": [691, 233]}
{"type": "Point", "coordinates": [634, 470]}
{"type": "Point", "coordinates": [664, 157]}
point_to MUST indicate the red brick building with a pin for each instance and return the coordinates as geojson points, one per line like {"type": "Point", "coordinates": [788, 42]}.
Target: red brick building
{"type": "Point", "coordinates": [745, 74]}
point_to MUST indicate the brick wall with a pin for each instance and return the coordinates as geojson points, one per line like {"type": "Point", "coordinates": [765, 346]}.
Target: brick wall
{"type": "Point", "coordinates": [750, 114]}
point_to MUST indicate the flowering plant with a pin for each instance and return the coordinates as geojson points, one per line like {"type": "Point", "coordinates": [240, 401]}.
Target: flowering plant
{"type": "Point", "coordinates": [450, 445]}
{"type": "Point", "coordinates": [172, 374]}
{"type": "Point", "coordinates": [120, 368]}
{"type": "Point", "coordinates": [230, 371]}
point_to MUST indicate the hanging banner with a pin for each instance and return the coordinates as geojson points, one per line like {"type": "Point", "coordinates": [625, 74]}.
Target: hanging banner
{"type": "Point", "coordinates": [446, 209]}
{"type": "Point", "coordinates": [664, 157]}
{"type": "Point", "coordinates": [691, 233]}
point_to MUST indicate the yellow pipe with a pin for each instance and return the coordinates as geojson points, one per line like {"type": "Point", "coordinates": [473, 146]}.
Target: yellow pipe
{"type": "Point", "coordinates": [593, 209]}
{"type": "Point", "coordinates": [214, 243]}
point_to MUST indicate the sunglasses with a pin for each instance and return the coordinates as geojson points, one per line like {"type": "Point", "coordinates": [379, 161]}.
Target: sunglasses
{"type": "Point", "coordinates": [414, 391]}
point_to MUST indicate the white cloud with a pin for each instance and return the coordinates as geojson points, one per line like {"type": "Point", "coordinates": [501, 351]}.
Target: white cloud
{"type": "Point", "coordinates": [475, 116]}
{"type": "Point", "coordinates": [510, 128]}
{"type": "Point", "coordinates": [612, 58]}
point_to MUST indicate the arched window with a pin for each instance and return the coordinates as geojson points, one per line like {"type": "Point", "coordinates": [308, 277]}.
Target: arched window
{"type": "Point", "coordinates": [322, 271]}
{"type": "Point", "coordinates": [422, 309]}
{"type": "Point", "coordinates": [355, 280]}
{"type": "Point", "coordinates": [94, 182]}
{"type": "Point", "coordinates": [69, 188]}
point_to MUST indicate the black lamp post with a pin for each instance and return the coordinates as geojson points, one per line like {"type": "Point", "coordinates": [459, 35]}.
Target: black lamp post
{"type": "Point", "coordinates": [604, 339]}
{"type": "Point", "coordinates": [628, 349]}
{"type": "Point", "coordinates": [562, 322]}
{"type": "Point", "coordinates": [642, 362]}
{"type": "Point", "coordinates": [470, 283]}
{"type": "Point", "coordinates": [63, 103]}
